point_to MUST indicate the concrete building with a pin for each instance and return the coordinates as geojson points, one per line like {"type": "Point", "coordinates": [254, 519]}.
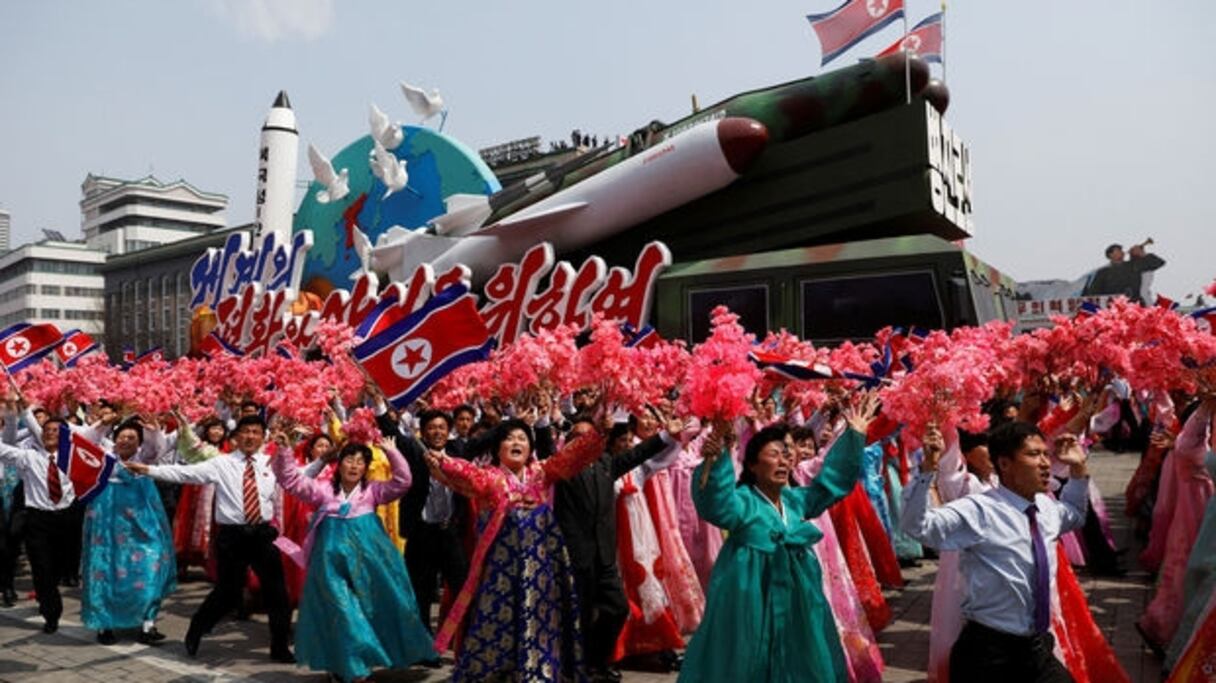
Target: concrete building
{"type": "Point", "coordinates": [6, 222]}
{"type": "Point", "coordinates": [147, 295]}
{"type": "Point", "coordinates": [53, 281]}
{"type": "Point", "coordinates": [122, 216]}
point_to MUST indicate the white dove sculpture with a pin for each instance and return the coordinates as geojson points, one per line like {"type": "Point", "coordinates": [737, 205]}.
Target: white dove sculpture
{"type": "Point", "coordinates": [388, 133]}
{"type": "Point", "coordinates": [388, 169]}
{"type": "Point", "coordinates": [336, 184]}
{"type": "Point", "coordinates": [363, 249]}
{"type": "Point", "coordinates": [424, 104]}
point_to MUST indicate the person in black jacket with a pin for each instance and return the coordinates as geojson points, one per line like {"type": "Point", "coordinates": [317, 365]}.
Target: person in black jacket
{"type": "Point", "coordinates": [431, 515]}
{"type": "Point", "coordinates": [586, 511]}
{"type": "Point", "coordinates": [1124, 277]}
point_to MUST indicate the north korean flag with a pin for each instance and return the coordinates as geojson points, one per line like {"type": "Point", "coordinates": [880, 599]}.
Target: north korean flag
{"type": "Point", "coordinates": [154, 353]}
{"type": "Point", "coordinates": [852, 22]}
{"type": "Point", "coordinates": [28, 345]}
{"type": "Point", "coordinates": [128, 356]}
{"type": "Point", "coordinates": [924, 40]}
{"type": "Point", "coordinates": [87, 465]}
{"type": "Point", "coordinates": [76, 345]}
{"type": "Point", "coordinates": [410, 355]}
{"type": "Point", "coordinates": [644, 338]}
{"type": "Point", "coordinates": [790, 368]}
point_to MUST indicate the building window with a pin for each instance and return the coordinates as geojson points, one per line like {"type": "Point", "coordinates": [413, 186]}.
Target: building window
{"type": "Point", "coordinates": [51, 290]}
{"type": "Point", "coordinates": [139, 245]}
{"type": "Point", "coordinates": [82, 291]}
{"type": "Point", "coordinates": [49, 313]}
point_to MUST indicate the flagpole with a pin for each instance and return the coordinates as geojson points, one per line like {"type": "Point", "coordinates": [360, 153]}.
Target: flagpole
{"type": "Point", "coordinates": [943, 41]}
{"type": "Point", "coordinates": [907, 60]}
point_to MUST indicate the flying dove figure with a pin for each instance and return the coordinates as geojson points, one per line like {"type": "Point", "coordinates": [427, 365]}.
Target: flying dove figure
{"type": "Point", "coordinates": [336, 185]}
{"type": "Point", "coordinates": [424, 104]}
{"type": "Point", "coordinates": [363, 249]}
{"type": "Point", "coordinates": [388, 133]}
{"type": "Point", "coordinates": [388, 169]}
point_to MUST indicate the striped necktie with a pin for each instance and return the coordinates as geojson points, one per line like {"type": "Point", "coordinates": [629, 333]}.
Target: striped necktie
{"type": "Point", "coordinates": [253, 504]}
{"type": "Point", "coordinates": [54, 487]}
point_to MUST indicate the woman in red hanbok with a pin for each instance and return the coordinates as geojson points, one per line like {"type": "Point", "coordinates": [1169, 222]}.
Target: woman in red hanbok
{"type": "Point", "coordinates": [193, 518]}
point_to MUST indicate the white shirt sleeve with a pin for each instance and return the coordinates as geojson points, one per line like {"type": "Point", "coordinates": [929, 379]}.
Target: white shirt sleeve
{"type": "Point", "coordinates": [205, 472]}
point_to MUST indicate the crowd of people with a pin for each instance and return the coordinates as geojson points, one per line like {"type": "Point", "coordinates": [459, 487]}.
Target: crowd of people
{"type": "Point", "coordinates": [741, 514]}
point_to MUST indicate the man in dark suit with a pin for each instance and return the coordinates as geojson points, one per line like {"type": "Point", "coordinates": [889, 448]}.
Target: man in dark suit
{"type": "Point", "coordinates": [431, 515]}
{"type": "Point", "coordinates": [585, 506]}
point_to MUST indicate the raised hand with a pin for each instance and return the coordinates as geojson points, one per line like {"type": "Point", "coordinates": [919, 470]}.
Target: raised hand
{"type": "Point", "coordinates": [1069, 451]}
{"type": "Point", "coordinates": [860, 413]}
{"type": "Point", "coordinates": [135, 467]}
{"type": "Point", "coordinates": [933, 445]}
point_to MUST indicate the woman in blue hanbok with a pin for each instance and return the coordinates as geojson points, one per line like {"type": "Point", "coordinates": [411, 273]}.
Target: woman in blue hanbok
{"type": "Point", "coordinates": [128, 562]}
{"type": "Point", "coordinates": [767, 618]}
{"type": "Point", "coordinates": [357, 609]}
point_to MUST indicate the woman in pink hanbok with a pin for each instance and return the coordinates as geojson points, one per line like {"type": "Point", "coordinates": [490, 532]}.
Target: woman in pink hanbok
{"type": "Point", "coordinates": [1192, 487]}
{"type": "Point", "coordinates": [679, 577]}
{"type": "Point", "coordinates": [702, 540]}
{"type": "Point", "coordinates": [862, 656]}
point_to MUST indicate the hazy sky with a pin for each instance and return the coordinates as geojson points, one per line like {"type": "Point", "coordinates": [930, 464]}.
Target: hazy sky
{"type": "Point", "coordinates": [1089, 122]}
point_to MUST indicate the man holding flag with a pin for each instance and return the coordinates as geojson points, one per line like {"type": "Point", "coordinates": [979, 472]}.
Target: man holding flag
{"type": "Point", "coordinates": [48, 496]}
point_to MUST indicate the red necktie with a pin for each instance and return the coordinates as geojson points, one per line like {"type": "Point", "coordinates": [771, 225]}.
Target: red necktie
{"type": "Point", "coordinates": [53, 487]}
{"type": "Point", "coordinates": [253, 505]}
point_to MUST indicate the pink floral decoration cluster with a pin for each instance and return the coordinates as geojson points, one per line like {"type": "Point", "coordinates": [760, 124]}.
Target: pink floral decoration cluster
{"type": "Point", "coordinates": [721, 378]}
{"type": "Point", "coordinates": [948, 386]}
{"type": "Point", "coordinates": [361, 427]}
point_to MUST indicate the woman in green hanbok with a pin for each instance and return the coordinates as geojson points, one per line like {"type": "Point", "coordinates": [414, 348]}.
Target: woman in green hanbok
{"type": "Point", "coordinates": [767, 618]}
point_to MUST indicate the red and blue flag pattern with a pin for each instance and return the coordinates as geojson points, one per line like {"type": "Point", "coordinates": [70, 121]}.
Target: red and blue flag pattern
{"type": "Point", "coordinates": [85, 463]}
{"type": "Point", "coordinates": [851, 23]}
{"type": "Point", "coordinates": [23, 344]}
{"type": "Point", "coordinates": [76, 345]}
{"type": "Point", "coordinates": [408, 356]}
{"type": "Point", "coordinates": [924, 40]}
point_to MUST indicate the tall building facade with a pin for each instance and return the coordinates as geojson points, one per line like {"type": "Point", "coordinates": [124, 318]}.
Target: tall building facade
{"type": "Point", "coordinates": [53, 281]}
{"type": "Point", "coordinates": [6, 222]}
{"type": "Point", "coordinates": [124, 216]}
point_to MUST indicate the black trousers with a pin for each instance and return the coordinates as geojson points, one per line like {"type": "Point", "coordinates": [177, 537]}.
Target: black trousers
{"type": "Point", "coordinates": [603, 610]}
{"type": "Point", "coordinates": [433, 551]}
{"type": "Point", "coordinates": [12, 526]}
{"type": "Point", "coordinates": [991, 656]}
{"type": "Point", "coordinates": [239, 547]}
{"type": "Point", "coordinates": [49, 555]}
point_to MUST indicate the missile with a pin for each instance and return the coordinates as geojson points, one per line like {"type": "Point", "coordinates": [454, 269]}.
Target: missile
{"type": "Point", "coordinates": [700, 160]}
{"type": "Point", "coordinates": [277, 156]}
{"type": "Point", "coordinates": [788, 110]}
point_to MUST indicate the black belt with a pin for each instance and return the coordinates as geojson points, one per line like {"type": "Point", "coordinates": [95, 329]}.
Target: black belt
{"type": "Point", "coordinates": [1030, 640]}
{"type": "Point", "coordinates": [40, 511]}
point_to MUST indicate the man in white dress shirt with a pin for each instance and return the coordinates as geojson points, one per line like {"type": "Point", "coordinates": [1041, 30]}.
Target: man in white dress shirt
{"type": "Point", "coordinates": [244, 506]}
{"type": "Point", "coordinates": [48, 497]}
{"type": "Point", "coordinates": [1006, 538]}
